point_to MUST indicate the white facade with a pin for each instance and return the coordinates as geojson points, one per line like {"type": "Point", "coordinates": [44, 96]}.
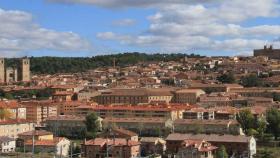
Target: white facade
{"type": "Point", "coordinates": [63, 147]}
{"type": "Point", "coordinates": [7, 145]}
{"type": "Point", "coordinates": [14, 128]}
{"type": "Point", "coordinates": [252, 147]}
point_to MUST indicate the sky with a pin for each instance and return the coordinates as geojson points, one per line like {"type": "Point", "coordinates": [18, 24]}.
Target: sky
{"type": "Point", "coordinates": [99, 27]}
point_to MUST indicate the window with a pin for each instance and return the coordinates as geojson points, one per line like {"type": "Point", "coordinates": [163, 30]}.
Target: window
{"type": "Point", "coordinates": [206, 154]}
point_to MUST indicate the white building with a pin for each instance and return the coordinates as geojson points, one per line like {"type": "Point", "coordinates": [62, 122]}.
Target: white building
{"type": "Point", "coordinates": [11, 128]}
{"type": "Point", "coordinates": [7, 144]}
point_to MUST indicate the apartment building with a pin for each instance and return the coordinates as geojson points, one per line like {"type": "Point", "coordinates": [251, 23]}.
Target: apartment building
{"type": "Point", "coordinates": [256, 92]}
{"type": "Point", "coordinates": [66, 125]}
{"type": "Point", "coordinates": [207, 126]}
{"type": "Point", "coordinates": [134, 96]}
{"type": "Point", "coordinates": [117, 132]}
{"type": "Point", "coordinates": [86, 95]}
{"type": "Point", "coordinates": [147, 111]}
{"type": "Point", "coordinates": [209, 88]}
{"type": "Point", "coordinates": [215, 113]}
{"type": "Point", "coordinates": [141, 125]}
{"type": "Point", "coordinates": [16, 110]}
{"type": "Point", "coordinates": [237, 145]}
{"type": "Point", "coordinates": [68, 107]}
{"type": "Point", "coordinates": [152, 145]}
{"type": "Point", "coordinates": [187, 95]}
{"type": "Point", "coordinates": [11, 128]}
{"type": "Point", "coordinates": [38, 111]}
{"type": "Point", "coordinates": [196, 148]}
{"type": "Point", "coordinates": [98, 148]}
{"type": "Point", "coordinates": [58, 145]}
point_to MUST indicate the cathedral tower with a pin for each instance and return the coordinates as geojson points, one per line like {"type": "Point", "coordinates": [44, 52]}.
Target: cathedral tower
{"type": "Point", "coordinates": [2, 70]}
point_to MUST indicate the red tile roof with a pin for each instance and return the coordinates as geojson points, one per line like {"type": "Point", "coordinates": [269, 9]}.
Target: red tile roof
{"type": "Point", "coordinates": [111, 142]}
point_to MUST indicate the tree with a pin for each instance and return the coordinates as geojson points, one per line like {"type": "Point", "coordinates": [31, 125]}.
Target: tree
{"type": "Point", "coordinates": [246, 120]}
{"type": "Point", "coordinates": [261, 128]}
{"type": "Point", "coordinates": [251, 80]}
{"type": "Point", "coordinates": [264, 154]}
{"type": "Point", "coordinates": [276, 96]}
{"type": "Point", "coordinates": [8, 96]}
{"type": "Point", "coordinates": [226, 78]}
{"type": "Point", "coordinates": [92, 125]}
{"type": "Point", "coordinates": [221, 152]}
{"type": "Point", "coordinates": [273, 120]}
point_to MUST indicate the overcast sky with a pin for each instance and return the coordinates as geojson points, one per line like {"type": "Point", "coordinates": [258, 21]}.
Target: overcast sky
{"type": "Point", "coordinates": [92, 27]}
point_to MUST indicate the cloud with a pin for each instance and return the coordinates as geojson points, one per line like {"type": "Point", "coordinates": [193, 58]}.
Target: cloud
{"type": "Point", "coordinates": [208, 27]}
{"type": "Point", "coordinates": [20, 34]}
{"type": "Point", "coordinates": [124, 22]}
{"type": "Point", "coordinates": [132, 3]}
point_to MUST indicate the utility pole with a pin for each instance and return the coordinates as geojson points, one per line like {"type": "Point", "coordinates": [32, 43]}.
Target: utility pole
{"type": "Point", "coordinates": [23, 149]}
{"type": "Point", "coordinates": [33, 142]}
{"type": "Point", "coordinates": [60, 155]}
{"type": "Point", "coordinates": [71, 149]}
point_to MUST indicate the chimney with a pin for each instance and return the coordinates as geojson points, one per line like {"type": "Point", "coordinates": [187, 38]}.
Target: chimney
{"type": "Point", "coordinates": [270, 47]}
{"type": "Point", "coordinates": [265, 47]}
{"type": "Point", "coordinates": [127, 141]}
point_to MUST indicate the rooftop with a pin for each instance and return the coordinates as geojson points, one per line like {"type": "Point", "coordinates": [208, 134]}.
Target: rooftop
{"type": "Point", "coordinates": [209, 137]}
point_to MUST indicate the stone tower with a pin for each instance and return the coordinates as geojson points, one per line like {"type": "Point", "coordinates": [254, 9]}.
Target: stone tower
{"type": "Point", "coordinates": [25, 70]}
{"type": "Point", "coordinates": [2, 70]}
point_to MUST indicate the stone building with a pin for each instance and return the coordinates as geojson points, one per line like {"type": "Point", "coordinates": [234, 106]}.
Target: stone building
{"type": "Point", "coordinates": [237, 145]}
{"type": "Point", "coordinates": [24, 71]}
{"type": "Point", "coordinates": [118, 147]}
{"type": "Point", "coordinates": [2, 70]}
{"type": "Point", "coordinates": [268, 52]}
{"type": "Point", "coordinates": [20, 72]}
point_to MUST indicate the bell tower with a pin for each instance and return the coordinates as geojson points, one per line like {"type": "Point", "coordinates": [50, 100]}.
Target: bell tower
{"type": "Point", "coordinates": [25, 70]}
{"type": "Point", "coordinates": [2, 70]}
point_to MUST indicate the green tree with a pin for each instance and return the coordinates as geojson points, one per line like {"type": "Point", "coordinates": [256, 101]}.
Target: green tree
{"type": "Point", "coordinates": [246, 120]}
{"type": "Point", "coordinates": [226, 78]}
{"type": "Point", "coordinates": [273, 120]}
{"type": "Point", "coordinates": [221, 152]}
{"type": "Point", "coordinates": [261, 128]}
{"type": "Point", "coordinates": [264, 154]}
{"type": "Point", "coordinates": [92, 125]}
{"type": "Point", "coordinates": [276, 96]}
{"type": "Point", "coordinates": [8, 96]}
{"type": "Point", "coordinates": [251, 80]}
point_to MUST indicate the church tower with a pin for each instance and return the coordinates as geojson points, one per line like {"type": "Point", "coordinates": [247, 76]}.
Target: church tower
{"type": "Point", "coordinates": [25, 70]}
{"type": "Point", "coordinates": [2, 70]}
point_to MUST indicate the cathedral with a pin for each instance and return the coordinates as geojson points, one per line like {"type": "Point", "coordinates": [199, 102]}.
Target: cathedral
{"type": "Point", "coordinates": [19, 73]}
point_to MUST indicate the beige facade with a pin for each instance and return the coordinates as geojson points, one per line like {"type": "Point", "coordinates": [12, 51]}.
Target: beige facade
{"type": "Point", "coordinates": [16, 110]}
{"type": "Point", "coordinates": [60, 146]}
{"type": "Point", "coordinates": [67, 125]}
{"type": "Point", "coordinates": [134, 96]}
{"type": "Point", "coordinates": [38, 112]}
{"type": "Point", "coordinates": [87, 95]}
{"type": "Point", "coordinates": [25, 70]}
{"type": "Point", "coordinates": [97, 148]}
{"type": "Point", "coordinates": [208, 126]}
{"type": "Point", "coordinates": [196, 149]}
{"type": "Point", "coordinates": [256, 92]}
{"type": "Point", "coordinates": [2, 70]}
{"type": "Point", "coordinates": [14, 74]}
{"type": "Point", "coordinates": [172, 112]}
{"type": "Point", "coordinates": [187, 95]}
{"type": "Point", "coordinates": [13, 128]}
{"type": "Point", "coordinates": [142, 126]}
{"type": "Point", "coordinates": [11, 74]}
